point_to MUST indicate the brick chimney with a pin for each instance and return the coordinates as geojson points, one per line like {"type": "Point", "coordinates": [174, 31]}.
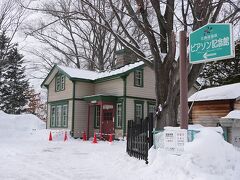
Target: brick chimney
{"type": "Point", "coordinates": [124, 57]}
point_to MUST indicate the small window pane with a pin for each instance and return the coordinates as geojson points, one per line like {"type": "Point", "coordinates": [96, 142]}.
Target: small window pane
{"type": "Point", "coordinates": [97, 118]}
{"type": "Point", "coordinates": [58, 115]}
{"type": "Point", "coordinates": [119, 115]}
{"type": "Point", "coordinates": [62, 82]}
{"type": "Point", "coordinates": [139, 115]}
{"type": "Point", "coordinates": [138, 78]}
{"type": "Point", "coordinates": [151, 108]}
{"type": "Point", "coordinates": [64, 122]}
{"type": "Point", "coordinates": [53, 118]}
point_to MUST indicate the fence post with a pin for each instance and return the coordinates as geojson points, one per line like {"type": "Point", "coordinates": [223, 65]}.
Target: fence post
{"type": "Point", "coordinates": [150, 130]}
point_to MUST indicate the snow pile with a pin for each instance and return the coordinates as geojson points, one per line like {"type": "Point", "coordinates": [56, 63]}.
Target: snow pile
{"type": "Point", "coordinates": [208, 157]}
{"type": "Point", "coordinates": [199, 127]}
{"type": "Point", "coordinates": [235, 114]}
{"type": "Point", "coordinates": [212, 154]}
{"type": "Point", "coordinates": [16, 125]}
{"type": "Point", "coordinates": [231, 91]}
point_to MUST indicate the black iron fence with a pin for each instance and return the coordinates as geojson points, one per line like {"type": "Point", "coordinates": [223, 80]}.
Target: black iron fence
{"type": "Point", "coordinates": [140, 137]}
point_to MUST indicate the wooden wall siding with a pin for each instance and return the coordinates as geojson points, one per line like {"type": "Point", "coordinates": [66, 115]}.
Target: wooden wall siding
{"type": "Point", "coordinates": [113, 87]}
{"type": "Point", "coordinates": [208, 113]}
{"type": "Point", "coordinates": [66, 94]}
{"type": "Point", "coordinates": [48, 116]}
{"type": "Point", "coordinates": [237, 105]}
{"type": "Point", "coordinates": [148, 89]}
{"type": "Point", "coordinates": [91, 123]}
{"type": "Point", "coordinates": [130, 109]}
{"type": "Point", "coordinates": [52, 75]}
{"type": "Point", "coordinates": [69, 116]}
{"type": "Point", "coordinates": [80, 118]}
{"type": "Point", "coordinates": [83, 89]}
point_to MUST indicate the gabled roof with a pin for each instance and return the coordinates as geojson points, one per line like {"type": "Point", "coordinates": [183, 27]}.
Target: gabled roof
{"type": "Point", "coordinates": [91, 76]}
{"type": "Point", "coordinates": [231, 91]}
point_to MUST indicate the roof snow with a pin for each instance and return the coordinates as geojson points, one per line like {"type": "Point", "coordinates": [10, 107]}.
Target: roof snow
{"type": "Point", "coordinates": [231, 91]}
{"type": "Point", "coordinates": [91, 75]}
{"type": "Point", "coordinates": [235, 114]}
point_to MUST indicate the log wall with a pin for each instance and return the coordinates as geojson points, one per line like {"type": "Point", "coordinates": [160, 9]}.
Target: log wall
{"type": "Point", "coordinates": [207, 113]}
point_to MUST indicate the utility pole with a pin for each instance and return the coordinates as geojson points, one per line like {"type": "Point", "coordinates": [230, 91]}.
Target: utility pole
{"type": "Point", "coordinates": [183, 81]}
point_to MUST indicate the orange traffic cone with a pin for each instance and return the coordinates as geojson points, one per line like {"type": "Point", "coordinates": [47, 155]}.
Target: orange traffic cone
{"type": "Point", "coordinates": [50, 136]}
{"type": "Point", "coordinates": [94, 139]}
{"type": "Point", "coordinates": [65, 136]}
{"type": "Point", "coordinates": [110, 138]}
{"type": "Point", "coordinates": [84, 137]}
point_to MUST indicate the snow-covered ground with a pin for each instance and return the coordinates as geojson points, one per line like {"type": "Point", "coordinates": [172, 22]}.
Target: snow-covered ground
{"type": "Point", "coordinates": [26, 154]}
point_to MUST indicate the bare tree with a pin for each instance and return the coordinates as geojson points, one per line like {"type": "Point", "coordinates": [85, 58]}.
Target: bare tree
{"type": "Point", "coordinates": [12, 16]}
{"type": "Point", "coordinates": [155, 24]}
{"type": "Point", "coordinates": [82, 43]}
{"type": "Point", "coordinates": [156, 20]}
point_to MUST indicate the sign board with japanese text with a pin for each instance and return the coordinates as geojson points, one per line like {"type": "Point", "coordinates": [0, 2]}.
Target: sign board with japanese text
{"type": "Point", "coordinates": [174, 140]}
{"type": "Point", "coordinates": [211, 42]}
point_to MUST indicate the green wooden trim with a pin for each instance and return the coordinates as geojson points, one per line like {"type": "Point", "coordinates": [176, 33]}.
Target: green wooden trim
{"type": "Point", "coordinates": [100, 98]}
{"type": "Point", "coordinates": [150, 103]}
{"type": "Point", "coordinates": [60, 75]}
{"type": "Point", "coordinates": [120, 101]}
{"type": "Point", "coordinates": [142, 79]}
{"type": "Point", "coordinates": [140, 98]}
{"type": "Point", "coordinates": [95, 119]}
{"type": "Point", "coordinates": [125, 104]}
{"type": "Point", "coordinates": [68, 99]}
{"type": "Point", "coordinates": [81, 80]}
{"type": "Point", "coordinates": [138, 102]}
{"type": "Point", "coordinates": [109, 78]}
{"type": "Point", "coordinates": [73, 108]}
{"type": "Point", "coordinates": [47, 107]}
{"type": "Point", "coordinates": [59, 103]}
{"type": "Point", "coordinates": [48, 75]}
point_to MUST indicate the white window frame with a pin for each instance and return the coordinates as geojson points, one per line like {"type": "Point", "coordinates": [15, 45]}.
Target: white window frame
{"type": "Point", "coordinates": [59, 116]}
{"type": "Point", "coordinates": [139, 108]}
{"type": "Point", "coordinates": [119, 115]}
{"type": "Point", "coordinates": [138, 81]}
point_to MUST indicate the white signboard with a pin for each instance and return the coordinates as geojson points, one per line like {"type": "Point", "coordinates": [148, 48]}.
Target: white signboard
{"type": "Point", "coordinates": [174, 140]}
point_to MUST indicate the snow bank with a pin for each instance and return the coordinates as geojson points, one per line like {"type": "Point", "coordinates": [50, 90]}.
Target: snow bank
{"type": "Point", "coordinates": [235, 114]}
{"type": "Point", "coordinates": [231, 91]}
{"type": "Point", "coordinates": [212, 154]}
{"type": "Point", "coordinates": [16, 125]}
{"type": "Point", "coordinates": [207, 157]}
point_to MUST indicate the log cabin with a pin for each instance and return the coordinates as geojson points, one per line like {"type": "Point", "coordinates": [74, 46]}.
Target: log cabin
{"type": "Point", "coordinates": [210, 107]}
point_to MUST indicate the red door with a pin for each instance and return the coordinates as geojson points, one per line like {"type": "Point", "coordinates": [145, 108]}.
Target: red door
{"type": "Point", "coordinates": [107, 123]}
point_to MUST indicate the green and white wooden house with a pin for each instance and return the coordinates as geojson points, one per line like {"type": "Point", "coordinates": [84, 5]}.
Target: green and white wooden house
{"type": "Point", "coordinates": [81, 100]}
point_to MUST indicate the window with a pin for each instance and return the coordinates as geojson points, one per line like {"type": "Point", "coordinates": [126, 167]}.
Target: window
{"type": "Point", "coordinates": [59, 116]}
{"type": "Point", "coordinates": [138, 78]}
{"type": "Point", "coordinates": [151, 108]}
{"type": "Point", "coordinates": [64, 118]}
{"type": "Point", "coordinates": [53, 117]}
{"type": "Point", "coordinates": [60, 83]}
{"type": "Point", "coordinates": [119, 115]}
{"type": "Point", "coordinates": [139, 111]}
{"type": "Point", "coordinates": [97, 116]}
